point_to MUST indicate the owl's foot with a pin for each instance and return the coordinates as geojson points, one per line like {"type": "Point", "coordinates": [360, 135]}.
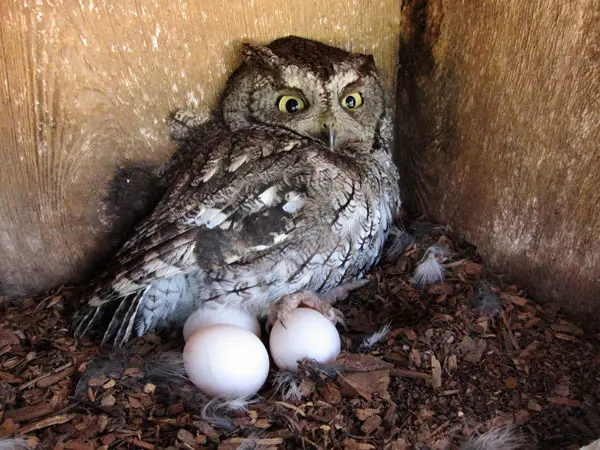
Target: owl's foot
{"type": "Point", "coordinates": [281, 310]}
{"type": "Point", "coordinates": [342, 291]}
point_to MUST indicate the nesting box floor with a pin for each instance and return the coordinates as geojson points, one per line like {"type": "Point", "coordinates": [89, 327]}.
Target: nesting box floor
{"type": "Point", "coordinates": [452, 365]}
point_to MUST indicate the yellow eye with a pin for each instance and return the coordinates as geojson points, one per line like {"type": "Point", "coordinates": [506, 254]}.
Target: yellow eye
{"type": "Point", "coordinates": [352, 101]}
{"type": "Point", "coordinates": [290, 104]}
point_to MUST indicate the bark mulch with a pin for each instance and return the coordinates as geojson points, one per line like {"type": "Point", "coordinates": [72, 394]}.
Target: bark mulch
{"type": "Point", "coordinates": [459, 358]}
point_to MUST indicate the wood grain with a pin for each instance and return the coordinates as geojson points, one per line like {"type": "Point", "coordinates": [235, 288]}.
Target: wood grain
{"type": "Point", "coordinates": [499, 122]}
{"type": "Point", "coordinates": [86, 89]}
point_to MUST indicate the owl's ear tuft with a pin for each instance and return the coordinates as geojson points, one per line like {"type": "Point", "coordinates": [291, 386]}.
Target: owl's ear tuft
{"type": "Point", "coordinates": [258, 54]}
{"type": "Point", "coordinates": [365, 63]}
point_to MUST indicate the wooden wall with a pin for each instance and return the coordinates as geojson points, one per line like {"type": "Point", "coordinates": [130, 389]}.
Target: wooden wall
{"type": "Point", "coordinates": [86, 86]}
{"type": "Point", "coordinates": [498, 119]}
{"type": "Point", "coordinates": [499, 123]}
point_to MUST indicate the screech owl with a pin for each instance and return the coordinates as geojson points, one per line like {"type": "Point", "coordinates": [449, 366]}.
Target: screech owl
{"type": "Point", "coordinates": [284, 197]}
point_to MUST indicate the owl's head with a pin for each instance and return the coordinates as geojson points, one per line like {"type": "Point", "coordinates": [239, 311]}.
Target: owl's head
{"type": "Point", "coordinates": [313, 89]}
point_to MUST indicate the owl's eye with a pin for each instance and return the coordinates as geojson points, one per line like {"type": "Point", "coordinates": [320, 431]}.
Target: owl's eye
{"type": "Point", "coordinates": [352, 101]}
{"type": "Point", "coordinates": [291, 104]}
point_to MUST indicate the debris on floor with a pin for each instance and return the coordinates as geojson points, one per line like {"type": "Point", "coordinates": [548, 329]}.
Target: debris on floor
{"type": "Point", "coordinates": [422, 366]}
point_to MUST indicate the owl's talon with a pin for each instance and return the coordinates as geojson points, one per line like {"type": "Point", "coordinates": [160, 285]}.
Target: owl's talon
{"type": "Point", "coordinates": [281, 311]}
{"type": "Point", "coordinates": [339, 318]}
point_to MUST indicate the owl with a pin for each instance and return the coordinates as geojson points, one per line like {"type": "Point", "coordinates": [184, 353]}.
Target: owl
{"type": "Point", "coordinates": [283, 198]}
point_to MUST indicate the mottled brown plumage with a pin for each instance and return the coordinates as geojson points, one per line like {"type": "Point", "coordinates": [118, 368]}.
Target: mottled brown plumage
{"type": "Point", "coordinates": [285, 195]}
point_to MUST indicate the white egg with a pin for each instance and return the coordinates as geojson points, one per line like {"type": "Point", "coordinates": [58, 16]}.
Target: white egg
{"type": "Point", "coordinates": [307, 334]}
{"type": "Point", "coordinates": [212, 316]}
{"type": "Point", "coordinates": [226, 361]}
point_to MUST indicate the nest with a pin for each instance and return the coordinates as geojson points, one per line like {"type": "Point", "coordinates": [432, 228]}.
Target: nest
{"type": "Point", "coordinates": [424, 367]}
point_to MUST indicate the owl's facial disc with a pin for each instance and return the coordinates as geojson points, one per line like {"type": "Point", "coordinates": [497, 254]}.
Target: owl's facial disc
{"type": "Point", "coordinates": [342, 109]}
{"type": "Point", "coordinates": [324, 93]}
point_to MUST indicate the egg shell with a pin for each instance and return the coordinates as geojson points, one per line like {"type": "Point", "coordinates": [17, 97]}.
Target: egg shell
{"type": "Point", "coordinates": [307, 334]}
{"type": "Point", "coordinates": [212, 316]}
{"type": "Point", "coordinates": [226, 361]}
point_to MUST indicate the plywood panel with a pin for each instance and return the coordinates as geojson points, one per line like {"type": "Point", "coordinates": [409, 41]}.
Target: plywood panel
{"type": "Point", "coordinates": [86, 86]}
{"type": "Point", "coordinates": [499, 113]}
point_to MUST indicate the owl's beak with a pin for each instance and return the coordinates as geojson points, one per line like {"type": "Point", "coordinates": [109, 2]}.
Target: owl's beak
{"type": "Point", "coordinates": [327, 135]}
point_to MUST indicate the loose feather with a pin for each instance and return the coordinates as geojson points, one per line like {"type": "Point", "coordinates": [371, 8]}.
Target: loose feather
{"type": "Point", "coordinates": [14, 444]}
{"type": "Point", "coordinates": [502, 438]}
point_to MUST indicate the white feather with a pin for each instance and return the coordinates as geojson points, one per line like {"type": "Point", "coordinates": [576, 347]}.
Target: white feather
{"type": "Point", "coordinates": [237, 162]}
{"type": "Point", "coordinates": [370, 341]}
{"type": "Point", "coordinates": [14, 444]}
{"type": "Point", "coordinates": [251, 442]}
{"type": "Point", "coordinates": [278, 238]}
{"type": "Point", "coordinates": [428, 272]}
{"type": "Point", "coordinates": [502, 438]}
{"type": "Point", "coordinates": [287, 384]}
{"type": "Point", "coordinates": [592, 445]}
{"type": "Point", "coordinates": [216, 220]}
{"type": "Point", "coordinates": [396, 242]}
{"type": "Point", "coordinates": [269, 196]}
{"type": "Point", "coordinates": [294, 201]}
{"type": "Point", "coordinates": [211, 171]}
{"type": "Point", "coordinates": [217, 409]}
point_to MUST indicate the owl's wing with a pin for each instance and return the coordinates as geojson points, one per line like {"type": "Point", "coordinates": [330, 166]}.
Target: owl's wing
{"type": "Point", "coordinates": [247, 199]}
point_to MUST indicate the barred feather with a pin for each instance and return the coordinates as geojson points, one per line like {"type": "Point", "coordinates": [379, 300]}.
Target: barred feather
{"type": "Point", "coordinates": [257, 209]}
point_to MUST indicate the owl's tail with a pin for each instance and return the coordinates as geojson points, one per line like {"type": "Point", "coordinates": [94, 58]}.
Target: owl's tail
{"type": "Point", "coordinates": [121, 314]}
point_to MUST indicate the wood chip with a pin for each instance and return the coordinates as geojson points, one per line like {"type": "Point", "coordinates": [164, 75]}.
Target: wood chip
{"type": "Point", "coordinates": [515, 299]}
{"type": "Point", "coordinates": [398, 444]}
{"type": "Point", "coordinates": [473, 349]}
{"type": "Point", "coordinates": [108, 401]}
{"type": "Point", "coordinates": [45, 423]}
{"type": "Point", "coordinates": [358, 362]}
{"type": "Point", "coordinates": [31, 412]}
{"type": "Point", "coordinates": [186, 437]}
{"type": "Point", "coordinates": [58, 371]}
{"type": "Point", "coordinates": [331, 394]}
{"type": "Point", "coordinates": [407, 373]}
{"type": "Point", "coordinates": [452, 363]}
{"type": "Point", "coordinates": [8, 427]}
{"type": "Point", "coordinates": [264, 441]}
{"type": "Point", "coordinates": [364, 414]}
{"type": "Point", "coordinates": [206, 428]}
{"type": "Point", "coordinates": [74, 445]}
{"type": "Point", "coordinates": [97, 381]}
{"type": "Point", "coordinates": [565, 337]}
{"type": "Point", "coordinates": [353, 444]}
{"type": "Point", "coordinates": [567, 328]}
{"type": "Point", "coordinates": [436, 373]}
{"type": "Point", "coordinates": [9, 377]}
{"type": "Point", "coordinates": [53, 379]}
{"type": "Point", "coordinates": [511, 383]}
{"type": "Point", "coordinates": [292, 407]}
{"type": "Point", "coordinates": [533, 405]}
{"type": "Point", "coordinates": [365, 383]}
{"type": "Point", "coordinates": [448, 392]}
{"type": "Point", "coordinates": [141, 444]}
{"type": "Point", "coordinates": [133, 372]}
{"type": "Point", "coordinates": [565, 401]}
{"type": "Point", "coordinates": [134, 402]}
{"type": "Point", "coordinates": [109, 384]}
{"type": "Point", "coordinates": [371, 424]}
{"type": "Point", "coordinates": [262, 423]}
